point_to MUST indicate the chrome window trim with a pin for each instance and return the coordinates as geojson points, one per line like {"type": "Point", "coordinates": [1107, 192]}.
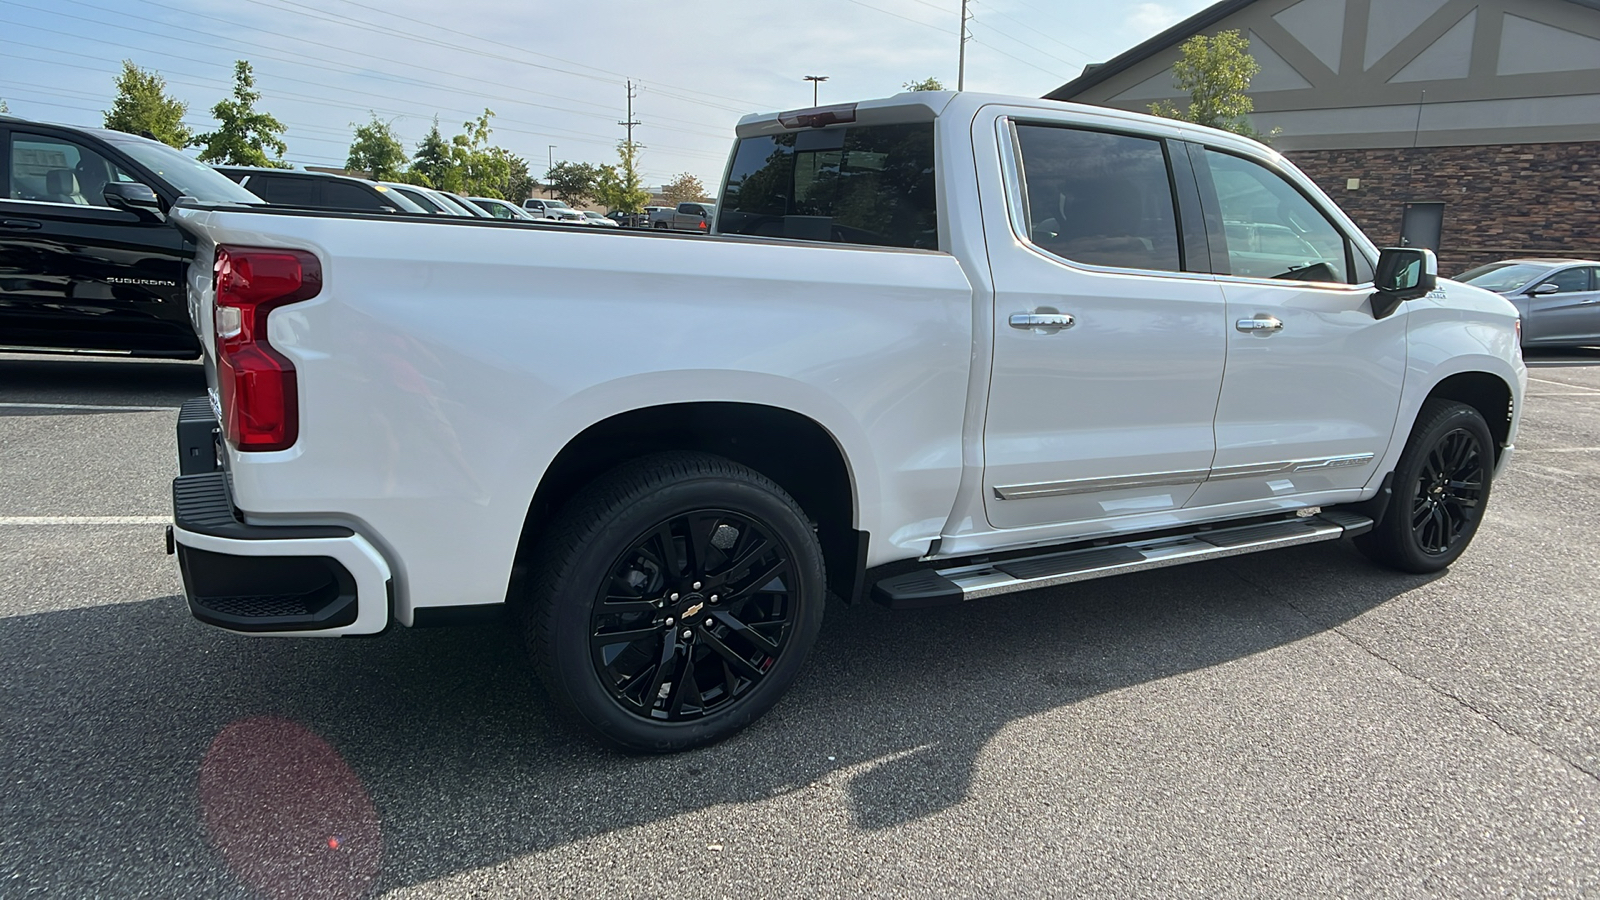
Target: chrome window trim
{"type": "Point", "coordinates": [1017, 209]}
{"type": "Point", "coordinates": [52, 203]}
{"type": "Point", "coordinates": [1338, 287]}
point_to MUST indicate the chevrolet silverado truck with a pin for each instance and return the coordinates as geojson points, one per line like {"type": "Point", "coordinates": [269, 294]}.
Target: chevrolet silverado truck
{"type": "Point", "coordinates": [940, 347]}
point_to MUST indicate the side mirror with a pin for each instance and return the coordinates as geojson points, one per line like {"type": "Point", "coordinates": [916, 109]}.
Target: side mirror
{"type": "Point", "coordinates": [131, 196]}
{"type": "Point", "coordinates": [1404, 273]}
{"type": "Point", "coordinates": [1542, 289]}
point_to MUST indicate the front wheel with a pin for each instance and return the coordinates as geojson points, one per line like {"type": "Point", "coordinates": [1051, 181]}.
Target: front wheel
{"type": "Point", "coordinates": [1441, 487]}
{"type": "Point", "coordinates": [675, 601]}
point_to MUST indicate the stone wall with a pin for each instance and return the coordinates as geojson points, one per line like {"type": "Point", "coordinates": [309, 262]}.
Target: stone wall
{"type": "Point", "coordinates": [1500, 201]}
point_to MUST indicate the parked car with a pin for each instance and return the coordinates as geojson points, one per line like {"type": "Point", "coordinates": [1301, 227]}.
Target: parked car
{"type": "Point", "coordinates": [500, 209]}
{"type": "Point", "coordinates": [623, 219]}
{"type": "Point", "coordinates": [557, 210]}
{"type": "Point", "coordinates": [88, 258]}
{"type": "Point", "coordinates": [317, 190]}
{"type": "Point", "coordinates": [1558, 299]}
{"type": "Point", "coordinates": [469, 206]}
{"type": "Point", "coordinates": [652, 215]}
{"type": "Point", "coordinates": [590, 217]}
{"type": "Point", "coordinates": [697, 217]}
{"type": "Point", "coordinates": [1011, 364]}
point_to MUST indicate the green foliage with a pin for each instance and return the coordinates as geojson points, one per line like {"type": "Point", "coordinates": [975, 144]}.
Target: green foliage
{"type": "Point", "coordinates": [1215, 72]}
{"type": "Point", "coordinates": [465, 164]}
{"type": "Point", "coordinates": [927, 84]}
{"type": "Point", "coordinates": [143, 107]}
{"type": "Point", "coordinates": [518, 184]}
{"type": "Point", "coordinates": [572, 182]}
{"type": "Point", "coordinates": [619, 187]}
{"type": "Point", "coordinates": [683, 189]}
{"type": "Point", "coordinates": [243, 135]}
{"type": "Point", "coordinates": [3, 107]}
{"type": "Point", "coordinates": [376, 150]}
{"type": "Point", "coordinates": [432, 162]}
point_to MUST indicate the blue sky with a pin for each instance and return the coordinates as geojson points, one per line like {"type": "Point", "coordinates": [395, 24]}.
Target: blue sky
{"type": "Point", "coordinates": [554, 73]}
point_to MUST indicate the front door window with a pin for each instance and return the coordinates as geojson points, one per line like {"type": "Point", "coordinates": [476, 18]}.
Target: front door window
{"type": "Point", "coordinates": [52, 170]}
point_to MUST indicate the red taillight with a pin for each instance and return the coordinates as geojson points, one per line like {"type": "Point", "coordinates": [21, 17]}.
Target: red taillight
{"type": "Point", "coordinates": [260, 406]}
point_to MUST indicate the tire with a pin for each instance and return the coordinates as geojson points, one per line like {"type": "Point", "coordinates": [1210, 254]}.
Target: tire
{"type": "Point", "coordinates": [661, 225]}
{"type": "Point", "coordinates": [1441, 488]}
{"type": "Point", "coordinates": [719, 551]}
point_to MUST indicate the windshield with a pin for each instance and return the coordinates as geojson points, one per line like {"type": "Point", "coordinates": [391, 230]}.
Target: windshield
{"type": "Point", "coordinates": [1502, 277]}
{"type": "Point", "coordinates": [190, 176]}
{"type": "Point", "coordinates": [558, 204]}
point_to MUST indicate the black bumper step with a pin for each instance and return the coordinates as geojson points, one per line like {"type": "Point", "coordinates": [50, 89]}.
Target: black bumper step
{"type": "Point", "coordinates": [203, 504]}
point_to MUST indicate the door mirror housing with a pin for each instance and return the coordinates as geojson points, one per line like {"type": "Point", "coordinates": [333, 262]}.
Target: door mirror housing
{"type": "Point", "coordinates": [1540, 290]}
{"type": "Point", "coordinates": [134, 197]}
{"type": "Point", "coordinates": [1404, 273]}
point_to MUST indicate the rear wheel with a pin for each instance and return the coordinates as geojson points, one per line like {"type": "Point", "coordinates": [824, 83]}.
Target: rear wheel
{"type": "Point", "coordinates": [676, 601]}
{"type": "Point", "coordinates": [1441, 487]}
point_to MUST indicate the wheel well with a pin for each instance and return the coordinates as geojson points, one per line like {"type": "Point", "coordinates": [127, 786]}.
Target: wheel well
{"type": "Point", "coordinates": [1486, 393]}
{"type": "Point", "coordinates": [785, 446]}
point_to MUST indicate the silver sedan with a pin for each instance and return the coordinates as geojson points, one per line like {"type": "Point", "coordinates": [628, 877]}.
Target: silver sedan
{"type": "Point", "coordinates": [1559, 299]}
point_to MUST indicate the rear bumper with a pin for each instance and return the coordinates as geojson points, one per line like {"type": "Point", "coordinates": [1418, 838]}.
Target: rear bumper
{"type": "Point", "coordinates": [305, 580]}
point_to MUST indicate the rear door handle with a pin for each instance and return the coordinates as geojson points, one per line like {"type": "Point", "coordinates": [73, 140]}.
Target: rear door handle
{"type": "Point", "coordinates": [1260, 325]}
{"type": "Point", "coordinates": [20, 224]}
{"type": "Point", "coordinates": [1041, 320]}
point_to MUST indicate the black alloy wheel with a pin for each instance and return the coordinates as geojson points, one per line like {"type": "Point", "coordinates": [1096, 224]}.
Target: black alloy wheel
{"type": "Point", "coordinates": [1441, 488]}
{"type": "Point", "coordinates": [673, 601]}
{"type": "Point", "coordinates": [1446, 495]}
{"type": "Point", "coordinates": [693, 616]}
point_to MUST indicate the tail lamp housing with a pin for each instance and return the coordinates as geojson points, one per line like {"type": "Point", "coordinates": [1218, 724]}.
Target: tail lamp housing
{"type": "Point", "coordinates": [259, 394]}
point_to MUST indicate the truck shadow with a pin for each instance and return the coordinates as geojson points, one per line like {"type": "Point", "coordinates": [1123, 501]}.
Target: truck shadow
{"type": "Point", "coordinates": [112, 710]}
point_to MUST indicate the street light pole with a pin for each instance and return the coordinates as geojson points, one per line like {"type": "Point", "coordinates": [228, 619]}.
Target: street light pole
{"type": "Point", "coordinates": [550, 163]}
{"type": "Point", "coordinates": [817, 79]}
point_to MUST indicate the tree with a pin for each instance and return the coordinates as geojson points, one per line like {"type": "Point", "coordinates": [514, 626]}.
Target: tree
{"type": "Point", "coordinates": [682, 189]}
{"type": "Point", "coordinates": [619, 187]}
{"type": "Point", "coordinates": [519, 184]}
{"type": "Point", "coordinates": [927, 84]}
{"type": "Point", "coordinates": [376, 150]}
{"type": "Point", "coordinates": [1215, 72]}
{"type": "Point", "coordinates": [479, 169]}
{"type": "Point", "coordinates": [243, 135]}
{"type": "Point", "coordinates": [143, 107]}
{"type": "Point", "coordinates": [431, 164]}
{"type": "Point", "coordinates": [3, 107]}
{"type": "Point", "coordinates": [573, 182]}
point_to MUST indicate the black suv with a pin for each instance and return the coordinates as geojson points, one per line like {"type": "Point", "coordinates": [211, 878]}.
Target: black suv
{"type": "Point", "coordinates": [318, 190]}
{"type": "Point", "coordinates": [88, 260]}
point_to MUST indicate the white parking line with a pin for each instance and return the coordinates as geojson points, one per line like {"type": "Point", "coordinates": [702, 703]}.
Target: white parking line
{"type": "Point", "coordinates": [1565, 384]}
{"type": "Point", "coordinates": [85, 520]}
{"type": "Point", "coordinates": [90, 408]}
{"type": "Point", "coordinates": [1522, 450]}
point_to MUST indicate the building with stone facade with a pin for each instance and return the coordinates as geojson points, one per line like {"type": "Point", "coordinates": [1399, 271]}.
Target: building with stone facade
{"type": "Point", "coordinates": [1471, 126]}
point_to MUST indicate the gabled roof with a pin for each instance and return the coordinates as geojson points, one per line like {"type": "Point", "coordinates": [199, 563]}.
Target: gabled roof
{"type": "Point", "coordinates": [1095, 73]}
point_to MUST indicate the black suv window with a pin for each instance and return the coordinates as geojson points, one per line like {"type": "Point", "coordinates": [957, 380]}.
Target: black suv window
{"type": "Point", "coordinates": [344, 195]}
{"type": "Point", "coordinates": [53, 170]}
{"type": "Point", "coordinates": [1099, 198]}
{"type": "Point", "coordinates": [868, 184]}
{"type": "Point", "coordinates": [283, 190]}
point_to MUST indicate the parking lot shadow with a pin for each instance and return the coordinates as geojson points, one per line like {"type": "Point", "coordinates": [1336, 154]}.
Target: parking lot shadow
{"type": "Point", "coordinates": [115, 381]}
{"type": "Point", "coordinates": [455, 759]}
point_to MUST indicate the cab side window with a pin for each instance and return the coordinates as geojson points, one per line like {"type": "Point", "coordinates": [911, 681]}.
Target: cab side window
{"type": "Point", "coordinates": [343, 195]}
{"type": "Point", "coordinates": [1099, 198]}
{"type": "Point", "coordinates": [1570, 281]}
{"type": "Point", "coordinates": [1271, 229]}
{"type": "Point", "coordinates": [52, 170]}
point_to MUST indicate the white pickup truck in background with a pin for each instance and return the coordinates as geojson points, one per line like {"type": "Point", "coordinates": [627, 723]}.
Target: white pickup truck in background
{"type": "Point", "coordinates": [940, 346]}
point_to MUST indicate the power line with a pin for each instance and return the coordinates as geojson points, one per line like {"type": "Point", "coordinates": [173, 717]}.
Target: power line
{"type": "Point", "coordinates": [899, 16]}
{"type": "Point", "coordinates": [1043, 34]}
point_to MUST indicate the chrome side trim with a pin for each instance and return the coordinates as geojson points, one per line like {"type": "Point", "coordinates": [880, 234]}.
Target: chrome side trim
{"type": "Point", "coordinates": [1090, 485]}
{"type": "Point", "coordinates": [1254, 470]}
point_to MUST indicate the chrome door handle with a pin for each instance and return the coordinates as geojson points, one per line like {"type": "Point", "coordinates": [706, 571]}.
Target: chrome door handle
{"type": "Point", "coordinates": [1260, 325]}
{"type": "Point", "coordinates": [1041, 320]}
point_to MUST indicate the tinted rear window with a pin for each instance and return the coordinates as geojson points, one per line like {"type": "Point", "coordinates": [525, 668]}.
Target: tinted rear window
{"type": "Point", "coordinates": [856, 185]}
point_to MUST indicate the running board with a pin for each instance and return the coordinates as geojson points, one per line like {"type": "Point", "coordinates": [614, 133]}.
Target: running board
{"type": "Point", "coordinates": [939, 587]}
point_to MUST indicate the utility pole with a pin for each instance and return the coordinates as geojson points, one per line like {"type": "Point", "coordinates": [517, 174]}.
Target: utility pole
{"type": "Point", "coordinates": [630, 122]}
{"type": "Point", "coordinates": [551, 156]}
{"type": "Point", "coordinates": [961, 65]}
{"type": "Point", "coordinates": [818, 79]}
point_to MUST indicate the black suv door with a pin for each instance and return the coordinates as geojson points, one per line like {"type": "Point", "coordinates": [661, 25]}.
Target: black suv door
{"type": "Point", "coordinates": [74, 272]}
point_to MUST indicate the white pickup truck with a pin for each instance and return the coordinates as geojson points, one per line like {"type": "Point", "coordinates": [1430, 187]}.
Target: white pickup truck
{"type": "Point", "coordinates": [940, 347]}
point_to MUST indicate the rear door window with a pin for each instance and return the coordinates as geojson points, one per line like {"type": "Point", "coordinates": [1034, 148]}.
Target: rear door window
{"type": "Point", "coordinates": [284, 190]}
{"type": "Point", "coordinates": [1099, 198]}
{"type": "Point", "coordinates": [344, 195]}
{"type": "Point", "coordinates": [866, 184]}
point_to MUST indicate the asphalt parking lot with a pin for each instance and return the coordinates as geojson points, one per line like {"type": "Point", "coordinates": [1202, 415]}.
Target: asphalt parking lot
{"type": "Point", "coordinates": [1297, 723]}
